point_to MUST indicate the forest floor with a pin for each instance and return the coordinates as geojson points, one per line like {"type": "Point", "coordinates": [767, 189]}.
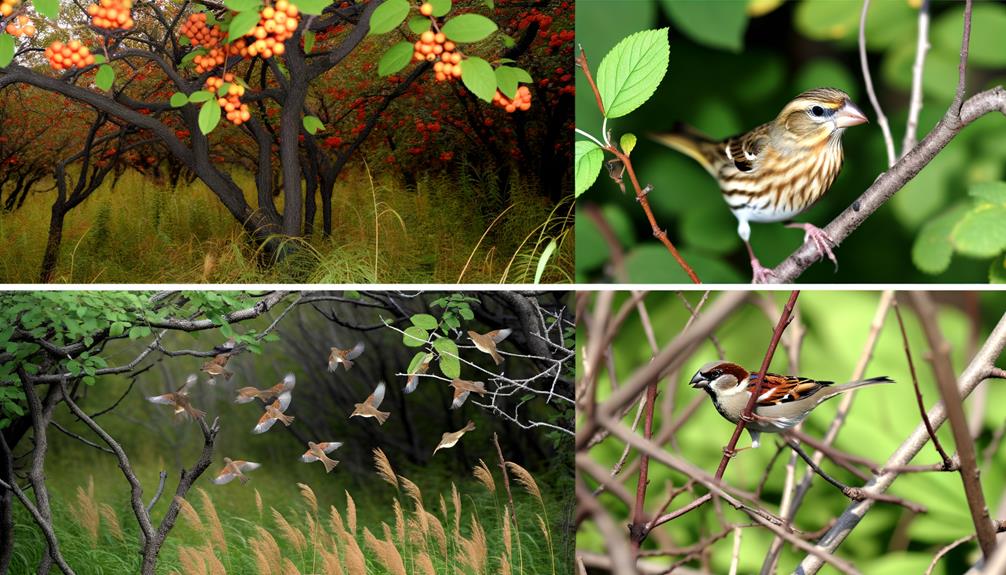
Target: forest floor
{"type": "Point", "coordinates": [445, 232]}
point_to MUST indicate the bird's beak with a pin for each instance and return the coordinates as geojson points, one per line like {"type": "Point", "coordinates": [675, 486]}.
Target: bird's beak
{"type": "Point", "coordinates": [849, 115]}
{"type": "Point", "coordinates": [699, 381]}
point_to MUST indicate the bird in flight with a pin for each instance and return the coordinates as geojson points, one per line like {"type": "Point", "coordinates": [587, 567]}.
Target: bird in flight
{"type": "Point", "coordinates": [275, 412]}
{"type": "Point", "coordinates": [217, 367]}
{"type": "Point", "coordinates": [369, 406]}
{"type": "Point", "coordinates": [463, 387]}
{"type": "Point", "coordinates": [422, 368]}
{"type": "Point", "coordinates": [486, 342]}
{"type": "Point", "coordinates": [344, 357]}
{"type": "Point", "coordinates": [249, 394]}
{"type": "Point", "coordinates": [451, 438]}
{"type": "Point", "coordinates": [235, 469]}
{"type": "Point", "coordinates": [180, 399]}
{"type": "Point", "coordinates": [319, 452]}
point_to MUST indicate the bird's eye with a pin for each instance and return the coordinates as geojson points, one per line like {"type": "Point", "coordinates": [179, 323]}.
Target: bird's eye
{"type": "Point", "coordinates": [817, 111]}
{"type": "Point", "coordinates": [715, 373]}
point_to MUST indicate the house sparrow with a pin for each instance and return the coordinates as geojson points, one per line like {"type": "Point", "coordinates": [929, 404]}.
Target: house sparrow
{"type": "Point", "coordinates": [462, 388]}
{"type": "Point", "coordinates": [450, 439]}
{"type": "Point", "coordinates": [217, 367]}
{"type": "Point", "coordinates": [319, 452]}
{"type": "Point", "coordinates": [249, 394]}
{"type": "Point", "coordinates": [369, 406]}
{"type": "Point", "coordinates": [274, 413]}
{"type": "Point", "coordinates": [486, 343]}
{"type": "Point", "coordinates": [779, 169]}
{"type": "Point", "coordinates": [235, 469]}
{"type": "Point", "coordinates": [180, 399]}
{"type": "Point", "coordinates": [784, 402]}
{"type": "Point", "coordinates": [344, 356]}
{"type": "Point", "coordinates": [413, 382]}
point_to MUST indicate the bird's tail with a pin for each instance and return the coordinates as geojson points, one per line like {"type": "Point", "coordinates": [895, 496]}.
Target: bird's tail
{"type": "Point", "coordinates": [469, 427]}
{"type": "Point", "coordinates": [690, 142]}
{"type": "Point", "coordinates": [838, 389]}
{"type": "Point", "coordinates": [382, 416]}
{"type": "Point", "coordinates": [347, 364]}
{"type": "Point", "coordinates": [329, 463]}
{"type": "Point", "coordinates": [497, 357]}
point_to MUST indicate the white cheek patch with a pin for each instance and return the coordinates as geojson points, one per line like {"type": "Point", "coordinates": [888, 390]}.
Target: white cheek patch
{"type": "Point", "coordinates": [765, 395]}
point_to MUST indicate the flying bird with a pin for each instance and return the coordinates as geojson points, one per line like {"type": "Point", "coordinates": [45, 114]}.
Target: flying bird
{"type": "Point", "coordinates": [423, 367]}
{"type": "Point", "coordinates": [275, 412]}
{"type": "Point", "coordinates": [344, 356]}
{"type": "Point", "coordinates": [780, 169]}
{"type": "Point", "coordinates": [369, 406]}
{"type": "Point", "coordinates": [180, 399]}
{"type": "Point", "coordinates": [450, 439]}
{"type": "Point", "coordinates": [319, 452]}
{"type": "Point", "coordinates": [486, 343]}
{"type": "Point", "coordinates": [217, 367]}
{"type": "Point", "coordinates": [249, 394]}
{"type": "Point", "coordinates": [235, 469]}
{"type": "Point", "coordinates": [463, 387]}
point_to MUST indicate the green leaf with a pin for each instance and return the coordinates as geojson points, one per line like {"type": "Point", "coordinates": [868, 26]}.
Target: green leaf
{"type": "Point", "coordinates": [245, 5]}
{"type": "Point", "coordinates": [991, 192]}
{"type": "Point", "coordinates": [988, 28]}
{"type": "Point", "coordinates": [388, 16]}
{"type": "Point", "coordinates": [313, 7]}
{"type": "Point", "coordinates": [417, 359]}
{"type": "Point", "coordinates": [632, 71]}
{"type": "Point", "coordinates": [448, 351]}
{"type": "Point", "coordinates": [312, 125]}
{"type": "Point", "coordinates": [440, 7]}
{"type": "Point", "coordinates": [425, 321]}
{"type": "Point", "coordinates": [478, 77]}
{"type": "Point", "coordinates": [627, 142]}
{"type": "Point", "coordinates": [508, 77]}
{"type": "Point", "coordinates": [105, 77]}
{"type": "Point", "coordinates": [981, 233]}
{"type": "Point", "coordinates": [715, 24]}
{"type": "Point", "coordinates": [587, 164]}
{"type": "Point", "coordinates": [209, 117]}
{"type": "Point", "coordinates": [117, 329]}
{"type": "Point", "coordinates": [932, 250]}
{"type": "Point", "coordinates": [415, 336]}
{"type": "Point", "coordinates": [178, 100]}
{"type": "Point", "coordinates": [543, 261]}
{"type": "Point", "coordinates": [396, 58]}
{"type": "Point", "coordinates": [201, 96]}
{"type": "Point", "coordinates": [469, 28]}
{"type": "Point", "coordinates": [6, 50]}
{"type": "Point", "coordinates": [419, 24]}
{"type": "Point", "coordinates": [997, 271]}
{"type": "Point", "coordinates": [243, 23]}
{"type": "Point", "coordinates": [47, 8]}
{"type": "Point", "coordinates": [309, 39]}
{"type": "Point", "coordinates": [508, 41]}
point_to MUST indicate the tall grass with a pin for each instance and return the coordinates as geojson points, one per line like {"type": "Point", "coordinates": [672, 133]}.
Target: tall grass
{"type": "Point", "coordinates": [142, 231]}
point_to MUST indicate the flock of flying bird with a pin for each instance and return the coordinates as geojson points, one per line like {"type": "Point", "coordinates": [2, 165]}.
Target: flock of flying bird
{"type": "Point", "coordinates": [278, 397]}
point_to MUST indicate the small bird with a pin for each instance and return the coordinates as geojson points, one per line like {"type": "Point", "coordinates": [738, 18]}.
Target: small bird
{"type": "Point", "coordinates": [217, 367]}
{"type": "Point", "coordinates": [462, 387]}
{"type": "Point", "coordinates": [180, 399]}
{"type": "Point", "coordinates": [785, 400]}
{"type": "Point", "coordinates": [486, 343]}
{"type": "Point", "coordinates": [423, 367]}
{"type": "Point", "coordinates": [249, 394]}
{"type": "Point", "coordinates": [235, 469]}
{"type": "Point", "coordinates": [274, 413]}
{"type": "Point", "coordinates": [780, 169]}
{"type": "Point", "coordinates": [450, 439]}
{"type": "Point", "coordinates": [319, 452]}
{"type": "Point", "coordinates": [369, 406]}
{"type": "Point", "coordinates": [344, 356]}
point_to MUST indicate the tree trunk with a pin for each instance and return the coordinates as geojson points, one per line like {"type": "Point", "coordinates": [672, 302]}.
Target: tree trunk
{"type": "Point", "coordinates": [51, 257]}
{"type": "Point", "coordinates": [6, 510]}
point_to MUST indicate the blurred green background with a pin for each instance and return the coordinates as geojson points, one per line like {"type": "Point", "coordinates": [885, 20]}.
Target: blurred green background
{"type": "Point", "coordinates": [891, 540]}
{"type": "Point", "coordinates": [733, 66]}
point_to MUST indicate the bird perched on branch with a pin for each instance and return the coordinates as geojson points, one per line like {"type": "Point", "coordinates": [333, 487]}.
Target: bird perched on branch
{"type": "Point", "coordinates": [463, 387]}
{"type": "Point", "coordinates": [235, 469]}
{"type": "Point", "coordinates": [784, 401]}
{"type": "Point", "coordinates": [249, 394]}
{"type": "Point", "coordinates": [344, 357]}
{"type": "Point", "coordinates": [275, 412]}
{"type": "Point", "coordinates": [319, 452]}
{"type": "Point", "coordinates": [180, 399]}
{"type": "Point", "coordinates": [369, 406]}
{"type": "Point", "coordinates": [450, 439]}
{"type": "Point", "coordinates": [486, 343]}
{"type": "Point", "coordinates": [780, 169]}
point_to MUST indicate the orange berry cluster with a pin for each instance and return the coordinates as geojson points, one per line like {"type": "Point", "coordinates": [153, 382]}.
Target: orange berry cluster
{"type": "Point", "coordinates": [198, 33]}
{"type": "Point", "coordinates": [7, 7]}
{"type": "Point", "coordinates": [276, 25]}
{"type": "Point", "coordinates": [521, 101]}
{"type": "Point", "coordinates": [21, 26]}
{"type": "Point", "coordinates": [206, 62]}
{"type": "Point", "coordinates": [435, 47]}
{"type": "Point", "coordinates": [112, 14]}
{"type": "Point", "coordinates": [73, 54]}
{"type": "Point", "coordinates": [237, 113]}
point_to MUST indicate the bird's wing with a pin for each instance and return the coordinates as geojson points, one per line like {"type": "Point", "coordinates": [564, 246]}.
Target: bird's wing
{"type": "Point", "coordinates": [264, 423]}
{"type": "Point", "coordinates": [166, 399]}
{"type": "Point", "coordinates": [308, 457]}
{"type": "Point", "coordinates": [745, 149]}
{"type": "Point", "coordinates": [459, 398]}
{"type": "Point", "coordinates": [377, 397]}
{"type": "Point", "coordinates": [189, 382]}
{"type": "Point", "coordinates": [248, 466]}
{"type": "Point", "coordinates": [289, 381]}
{"type": "Point", "coordinates": [283, 401]}
{"type": "Point", "coordinates": [785, 388]}
{"type": "Point", "coordinates": [411, 384]}
{"type": "Point", "coordinates": [499, 334]}
{"type": "Point", "coordinates": [332, 446]}
{"type": "Point", "coordinates": [224, 477]}
{"type": "Point", "coordinates": [356, 351]}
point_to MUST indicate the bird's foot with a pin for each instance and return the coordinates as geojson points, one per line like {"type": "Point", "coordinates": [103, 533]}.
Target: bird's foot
{"type": "Point", "coordinates": [762, 274]}
{"type": "Point", "coordinates": [821, 240]}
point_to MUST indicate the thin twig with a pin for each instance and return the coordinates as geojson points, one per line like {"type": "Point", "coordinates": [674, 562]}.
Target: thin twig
{"type": "Point", "coordinates": [915, 104]}
{"type": "Point", "coordinates": [885, 128]}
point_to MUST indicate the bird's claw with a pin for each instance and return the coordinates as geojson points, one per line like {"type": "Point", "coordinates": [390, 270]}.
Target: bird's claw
{"type": "Point", "coordinates": [821, 240]}
{"type": "Point", "coordinates": [762, 274]}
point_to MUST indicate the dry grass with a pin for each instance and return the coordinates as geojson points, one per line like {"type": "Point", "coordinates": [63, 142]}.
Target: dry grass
{"type": "Point", "coordinates": [291, 534]}
{"type": "Point", "coordinates": [111, 521]}
{"type": "Point", "coordinates": [484, 476]}
{"type": "Point", "coordinates": [387, 553]}
{"type": "Point", "coordinates": [351, 513]}
{"type": "Point", "coordinates": [308, 494]}
{"type": "Point", "coordinates": [86, 511]}
{"type": "Point", "coordinates": [190, 514]}
{"type": "Point", "coordinates": [213, 520]}
{"type": "Point", "coordinates": [384, 469]}
{"type": "Point", "coordinates": [526, 480]}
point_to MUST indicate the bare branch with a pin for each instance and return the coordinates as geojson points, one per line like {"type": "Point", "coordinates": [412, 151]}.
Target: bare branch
{"type": "Point", "coordinates": [915, 104]}
{"type": "Point", "coordinates": [885, 128]}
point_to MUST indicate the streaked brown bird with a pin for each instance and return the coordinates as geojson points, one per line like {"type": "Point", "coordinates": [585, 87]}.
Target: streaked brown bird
{"type": "Point", "coordinates": [450, 439]}
{"type": "Point", "coordinates": [234, 469]}
{"type": "Point", "coordinates": [275, 412]}
{"type": "Point", "coordinates": [217, 367]}
{"type": "Point", "coordinates": [320, 451]}
{"type": "Point", "coordinates": [780, 169]}
{"type": "Point", "coordinates": [249, 394]}
{"type": "Point", "coordinates": [463, 387]}
{"type": "Point", "coordinates": [180, 399]}
{"type": "Point", "coordinates": [344, 357]}
{"type": "Point", "coordinates": [486, 343]}
{"type": "Point", "coordinates": [413, 381]}
{"type": "Point", "coordinates": [369, 406]}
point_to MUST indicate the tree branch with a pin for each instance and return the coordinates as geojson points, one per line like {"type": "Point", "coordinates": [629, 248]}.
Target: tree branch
{"type": "Point", "coordinates": [885, 128]}
{"type": "Point", "coordinates": [915, 103]}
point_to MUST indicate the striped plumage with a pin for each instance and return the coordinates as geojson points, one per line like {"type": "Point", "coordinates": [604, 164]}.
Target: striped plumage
{"type": "Point", "coordinates": [779, 169]}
